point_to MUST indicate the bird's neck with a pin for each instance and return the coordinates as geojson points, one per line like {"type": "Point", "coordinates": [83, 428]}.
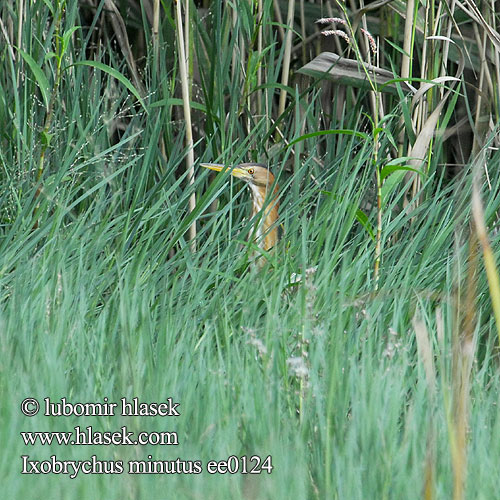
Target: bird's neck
{"type": "Point", "coordinates": [266, 233]}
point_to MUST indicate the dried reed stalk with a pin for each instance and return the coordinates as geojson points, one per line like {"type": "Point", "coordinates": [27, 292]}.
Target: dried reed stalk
{"type": "Point", "coordinates": [181, 44]}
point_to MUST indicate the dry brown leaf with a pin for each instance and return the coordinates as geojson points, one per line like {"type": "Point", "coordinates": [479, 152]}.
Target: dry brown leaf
{"type": "Point", "coordinates": [419, 149]}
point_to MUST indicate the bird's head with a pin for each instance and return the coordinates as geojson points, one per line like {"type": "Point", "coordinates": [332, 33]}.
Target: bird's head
{"type": "Point", "coordinates": [260, 179]}
{"type": "Point", "coordinates": [255, 174]}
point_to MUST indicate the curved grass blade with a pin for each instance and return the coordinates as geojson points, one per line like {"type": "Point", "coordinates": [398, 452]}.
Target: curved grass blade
{"type": "Point", "coordinates": [40, 77]}
{"type": "Point", "coordinates": [115, 74]}
{"type": "Point", "coordinates": [361, 135]}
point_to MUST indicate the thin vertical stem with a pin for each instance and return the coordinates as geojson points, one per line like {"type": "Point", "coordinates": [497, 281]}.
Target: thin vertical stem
{"type": "Point", "coordinates": [407, 57]}
{"type": "Point", "coordinates": [279, 19]}
{"type": "Point", "coordinates": [496, 59]}
{"type": "Point", "coordinates": [378, 241]}
{"type": "Point", "coordinates": [187, 33]}
{"type": "Point", "coordinates": [156, 26]}
{"type": "Point", "coordinates": [488, 254]}
{"type": "Point", "coordinates": [287, 55]}
{"type": "Point", "coordinates": [20, 22]}
{"type": "Point", "coordinates": [408, 39]}
{"type": "Point", "coordinates": [260, 14]}
{"type": "Point", "coordinates": [181, 44]}
{"type": "Point", "coordinates": [303, 31]}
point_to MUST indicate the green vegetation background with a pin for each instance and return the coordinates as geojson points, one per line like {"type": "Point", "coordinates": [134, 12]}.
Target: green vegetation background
{"type": "Point", "coordinates": [101, 294]}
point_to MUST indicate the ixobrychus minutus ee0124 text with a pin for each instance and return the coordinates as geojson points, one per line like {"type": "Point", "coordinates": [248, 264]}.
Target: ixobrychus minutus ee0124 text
{"type": "Point", "coordinates": [260, 181]}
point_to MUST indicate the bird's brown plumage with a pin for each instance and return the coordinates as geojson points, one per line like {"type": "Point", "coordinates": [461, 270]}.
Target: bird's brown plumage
{"type": "Point", "coordinates": [260, 181]}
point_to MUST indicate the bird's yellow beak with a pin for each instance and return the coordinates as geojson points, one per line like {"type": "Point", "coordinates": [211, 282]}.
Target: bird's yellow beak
{"type": "Point", "coordinates": [235, 171]}
{"type": "Point", "coordinates": [213, 166]}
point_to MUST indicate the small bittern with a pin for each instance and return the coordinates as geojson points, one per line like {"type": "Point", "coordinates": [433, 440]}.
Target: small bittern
{"type": "Point", "coordinates": [260, 180]}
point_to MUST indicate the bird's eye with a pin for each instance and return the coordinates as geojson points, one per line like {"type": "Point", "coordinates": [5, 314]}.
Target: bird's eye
{"type": "Point", "coordinates": [251, 171]}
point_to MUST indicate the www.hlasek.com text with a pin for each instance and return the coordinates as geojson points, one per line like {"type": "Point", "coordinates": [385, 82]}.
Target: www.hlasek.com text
{"type": "Point", "coordinates": [87, 436]}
